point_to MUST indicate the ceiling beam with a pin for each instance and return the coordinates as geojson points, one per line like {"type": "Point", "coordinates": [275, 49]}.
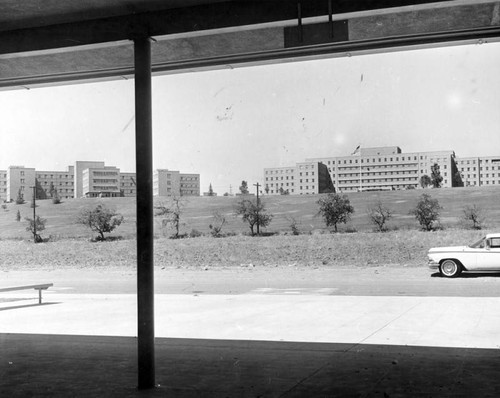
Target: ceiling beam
{"type": "Point", "coordinates": [179, 20]}
{"type": "Point", "coordinates": [231, 45]}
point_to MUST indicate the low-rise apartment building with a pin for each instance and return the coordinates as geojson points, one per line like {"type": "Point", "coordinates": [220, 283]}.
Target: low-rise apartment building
{"type": "Point", "coordinates": [102, 182]}
{"type": "Point", "coordinates": [56, 182]}
{"type": "Point", "coordinates": [173, 183]}
{"type": "Point", "coordinates": [305, 178]}
{"type": "Point", "coordinates": [90, 179]}
{"type": "Point", "coordinates": [128, 186]}
{"type": "Point", "coordinates": [479, 171]}
{"type": "Point", "coordinates": [3, 185]}
{"type": "Point", "coordinates": [20, 182]}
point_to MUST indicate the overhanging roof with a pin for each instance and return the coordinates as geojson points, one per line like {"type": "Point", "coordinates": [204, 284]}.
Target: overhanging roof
{"type": "Point", "coordinates": [74, 40]}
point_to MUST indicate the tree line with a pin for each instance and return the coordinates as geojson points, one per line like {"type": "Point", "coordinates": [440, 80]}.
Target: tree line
{"type": "Point", "coordinates": [334, 208]}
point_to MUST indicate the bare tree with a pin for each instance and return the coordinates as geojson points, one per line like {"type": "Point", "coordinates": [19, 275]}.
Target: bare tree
{"type": "Point", "coordinates": [379, 215]}
{"type": "Point", "coordinates": [171, 213]}
{"type": "Point", "coordinates": [218, 222]}
{"type": "Point", "coordinates": [474, 214]}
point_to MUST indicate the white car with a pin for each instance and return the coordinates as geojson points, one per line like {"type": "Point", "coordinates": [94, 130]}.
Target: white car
{"type": "Point", "coordinates": [482, 256]}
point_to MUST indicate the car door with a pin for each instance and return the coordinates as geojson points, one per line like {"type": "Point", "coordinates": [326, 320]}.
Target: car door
{"type": "Point", "coordinates": [488, 258]}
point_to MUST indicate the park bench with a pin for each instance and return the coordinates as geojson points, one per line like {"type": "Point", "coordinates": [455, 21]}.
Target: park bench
{"type": "Point", "coordinates": [43, 286]}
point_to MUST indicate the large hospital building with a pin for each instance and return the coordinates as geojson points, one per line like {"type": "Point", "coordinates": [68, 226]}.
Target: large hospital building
{"type": "Point", "coordinates": [384, 168]}
{"type": "Point", "coordinates": [90, 179]}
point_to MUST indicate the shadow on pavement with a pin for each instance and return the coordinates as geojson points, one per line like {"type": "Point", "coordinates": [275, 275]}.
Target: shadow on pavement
{"type": "Point", "coordinates": [466, 275]}
{"type": "Point", "coordinates": [88, 366]}
{"type": "Point", "coordinates": [15, 307]}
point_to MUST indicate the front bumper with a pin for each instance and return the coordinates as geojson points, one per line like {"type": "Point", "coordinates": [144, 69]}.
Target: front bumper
{"type": "Point", "coordinates": [433, 265]}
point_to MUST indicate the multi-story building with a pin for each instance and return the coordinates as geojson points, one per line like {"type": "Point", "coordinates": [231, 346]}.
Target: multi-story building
{"type": "Point", "coordinates": [20, 181]}
{"type": "Point", "coordinates": [305, 178]}
{"type": "Point", "coordinates": [173, 183]}
{"type": "Point", "coordinates": [279, 180]}
{"type": "Point", "coordinates": [189, 184]}
{"type": "Point", "coordinates": [60, 182]}
{"type": "Point", "coordinates": [101, 182]}
{"type": "Point", "coordinates": [479, 171]}
{"type": "Point", "coordinates": [80, 166]}
{"type": "Point", "coordinates": [3, 185]}
{"type": "Point", "coordinates": [90, 179]}
{"type": "Point", "coordinates": [128, 186]}
{"type": "Point", "coordinates": [388, 168]}
{"type": "Point", "coordinates": [384, 168]}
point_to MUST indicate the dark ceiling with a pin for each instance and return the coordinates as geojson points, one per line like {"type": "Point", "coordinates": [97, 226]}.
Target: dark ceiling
{"type": "Point", "coordinates": [54, 41]}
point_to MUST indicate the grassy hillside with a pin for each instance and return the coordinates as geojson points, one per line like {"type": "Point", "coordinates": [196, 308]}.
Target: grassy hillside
{"type": "Point", "coordinates": [198, 212]}
{"type": "Point", "coordinates": [364, 249]}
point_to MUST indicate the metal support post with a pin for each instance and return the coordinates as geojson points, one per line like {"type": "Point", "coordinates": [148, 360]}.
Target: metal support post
{"type": "Point", "coordinates": [144, 175]}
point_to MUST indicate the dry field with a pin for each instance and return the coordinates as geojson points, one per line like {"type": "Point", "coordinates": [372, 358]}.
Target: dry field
{"type": "Point", "coordinates": [69, 244]}
{"type": "Point", "coordinates": [396, 248]}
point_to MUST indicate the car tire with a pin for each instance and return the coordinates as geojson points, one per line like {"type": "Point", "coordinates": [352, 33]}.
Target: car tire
{"type": "Point", "coordinates": [450, 268]}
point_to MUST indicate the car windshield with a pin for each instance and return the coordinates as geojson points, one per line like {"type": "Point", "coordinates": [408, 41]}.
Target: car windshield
{"type": "Point", "coordinates": [478, 244]}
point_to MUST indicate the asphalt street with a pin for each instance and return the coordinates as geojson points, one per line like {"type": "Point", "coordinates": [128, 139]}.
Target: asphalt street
{"type": "Point", "coordinates": [380, 281]}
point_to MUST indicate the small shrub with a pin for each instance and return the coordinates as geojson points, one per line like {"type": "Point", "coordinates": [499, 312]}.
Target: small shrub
{"type": "Point", "coordinates": [427, 212]}
{"type": "Point", "coordinates": [253, 213]}
{"type": "Point", "coordinates": [335, 209]}
{"type": "Point", "coordinates": [179, 236]}
{"type": "Point", "coordinates": [35, 226]}
{"type": "Point", "coordinates": [195, 233]}
{"type": "Point", "coordinates": [18, 216]}
{"type": "Point", "coordinates": [350, 229]}
{"type": "Point", "coordinates": [100, 219]}
{"type": "Point", "coordinates": [4, 206]}
{"type": "Point", "coordinates": [19, 198]}
{"type": "Point", "coordinates": [218, 223]}
{"type": "Point", "coordinates": [473, 216]}
{"type": "Point", "coordinates": [294, 225]}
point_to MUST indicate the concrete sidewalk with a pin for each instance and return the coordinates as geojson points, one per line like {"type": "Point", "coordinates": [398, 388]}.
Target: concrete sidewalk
{"type": "Point", "coordinates": [267, 343]}
{"type": "Point", "coordinates": [312, 317]}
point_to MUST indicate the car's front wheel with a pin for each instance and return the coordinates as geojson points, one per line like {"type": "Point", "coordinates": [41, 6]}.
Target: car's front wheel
{"type": "Point", "coordinates": [450, 268]}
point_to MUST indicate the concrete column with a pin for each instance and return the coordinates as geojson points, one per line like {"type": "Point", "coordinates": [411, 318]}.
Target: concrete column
{"type": "Point", "coordinates": [144, 174]}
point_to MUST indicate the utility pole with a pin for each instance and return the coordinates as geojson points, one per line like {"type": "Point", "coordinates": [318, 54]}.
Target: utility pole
{"type": "Point", "coordinates": [258, 218]}
{"type": "Point", "coordinates": [34, 213]}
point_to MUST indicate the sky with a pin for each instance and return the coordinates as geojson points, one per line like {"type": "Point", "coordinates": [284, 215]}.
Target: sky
{"type": "Point", "coordinates": [228, 125]}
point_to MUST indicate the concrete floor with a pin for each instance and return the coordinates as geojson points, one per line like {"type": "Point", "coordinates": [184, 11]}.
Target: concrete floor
{"type": "Point", "coordinates": [268, 343]}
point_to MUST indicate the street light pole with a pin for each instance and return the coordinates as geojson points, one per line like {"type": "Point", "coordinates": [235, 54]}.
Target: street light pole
{"type": "Point", "coordinates": [34, 213]}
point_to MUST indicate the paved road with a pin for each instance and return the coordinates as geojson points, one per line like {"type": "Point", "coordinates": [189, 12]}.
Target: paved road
{"type": "Point", "coordinates": [380, 281]}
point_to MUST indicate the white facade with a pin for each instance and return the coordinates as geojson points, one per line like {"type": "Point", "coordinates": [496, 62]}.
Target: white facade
{"type": "Point", "coordinates": [279, 179]}
{"type": "Point", "coordinates": [101, 182]}
{"type": "Point", "coordinates": [60, 181]}
{"type": "Point", "coordinates": [80, 166]}
{"type": "Point", "coordinates": [3, 185]}
{"type": "Point", "coordinates": [173, 183]}
{"type": "Point", "coordinates": [479, 171]}
{"type": "Point", "coordinates": [21, 180]}
{"type": "Point", "coordinates": [305, 178]}
{"type": "Point", "coordinates": [387, 168]}
{"type": "Point", "coordinates": [128, 186]}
